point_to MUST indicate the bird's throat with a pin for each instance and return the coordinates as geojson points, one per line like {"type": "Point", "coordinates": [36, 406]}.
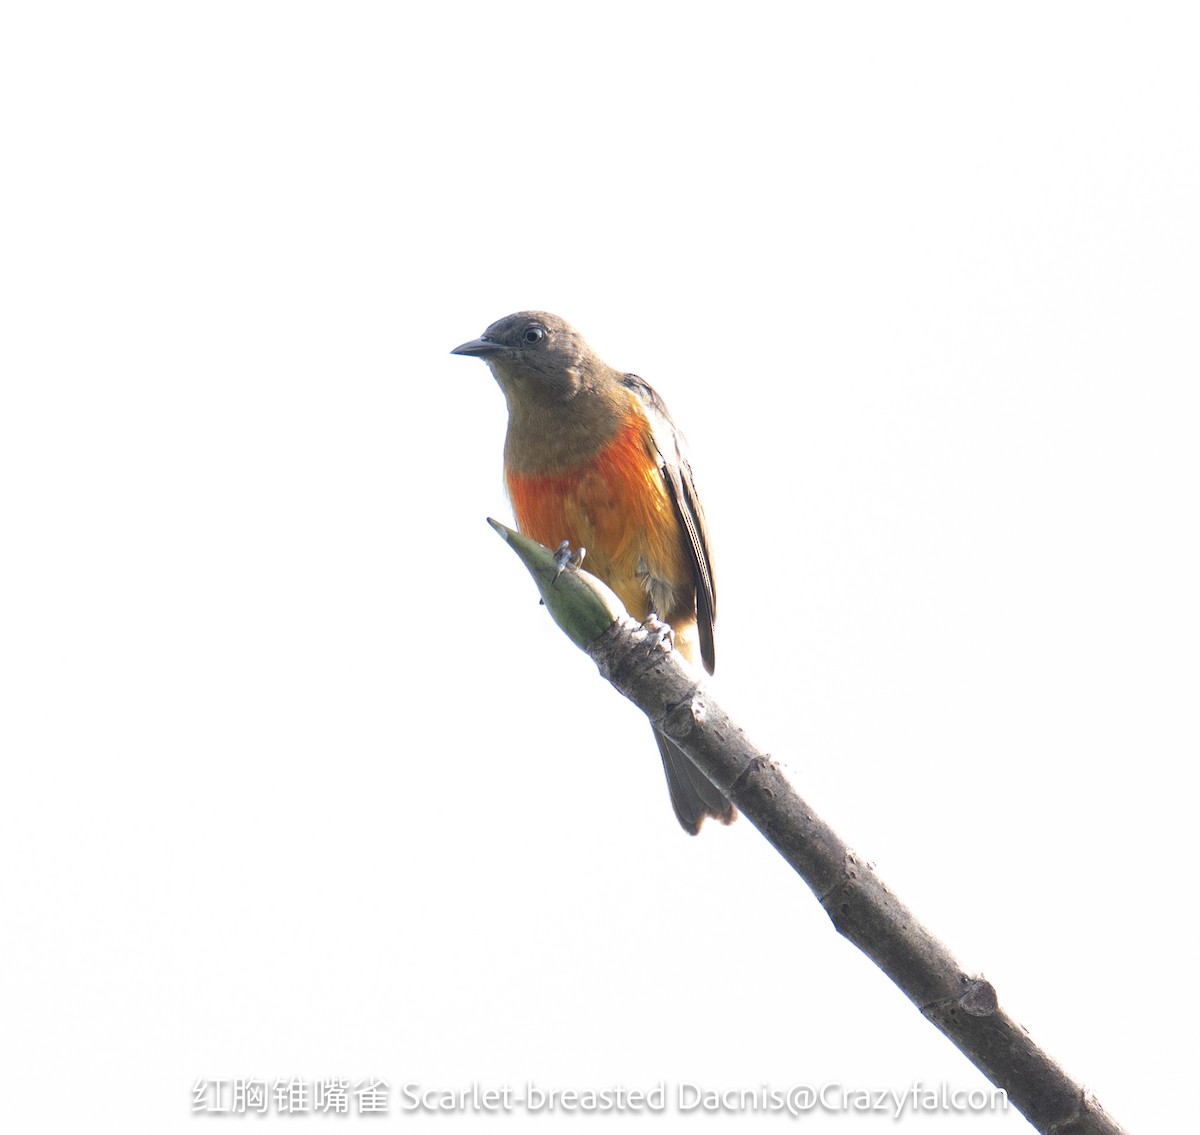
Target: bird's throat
{"type": "Point", "coordinates": [554, 436]}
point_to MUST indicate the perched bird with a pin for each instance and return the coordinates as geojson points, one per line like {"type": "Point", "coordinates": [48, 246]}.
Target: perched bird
{"type": "Point", "coordinates": [592, 457]}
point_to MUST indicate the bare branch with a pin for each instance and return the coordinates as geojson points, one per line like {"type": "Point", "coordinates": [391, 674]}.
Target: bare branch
{"type": "Point", "coordinates": [964, 1006]}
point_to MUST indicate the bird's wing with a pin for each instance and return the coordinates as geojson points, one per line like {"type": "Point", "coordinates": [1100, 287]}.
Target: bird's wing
{"type": "Point", "coordinates": [677, 473]}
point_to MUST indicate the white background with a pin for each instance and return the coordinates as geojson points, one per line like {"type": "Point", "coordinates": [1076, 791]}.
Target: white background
{"type": "Point", "coordinates": [299, 779]}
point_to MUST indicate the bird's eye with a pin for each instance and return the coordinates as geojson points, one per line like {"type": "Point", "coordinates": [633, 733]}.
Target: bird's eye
{"type": "Point", "coordinates": [534, 335]}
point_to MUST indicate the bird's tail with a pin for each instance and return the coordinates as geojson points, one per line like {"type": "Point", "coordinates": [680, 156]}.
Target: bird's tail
{"type": "Point", "coordinates": [693, 795]}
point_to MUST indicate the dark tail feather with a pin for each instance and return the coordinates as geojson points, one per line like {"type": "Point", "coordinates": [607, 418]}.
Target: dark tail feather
{"type": "Point", "coordinates": [693, 795]}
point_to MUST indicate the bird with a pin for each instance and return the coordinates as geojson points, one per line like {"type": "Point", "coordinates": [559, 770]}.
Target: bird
{"type": "Point", "coordinates": [593, 458]}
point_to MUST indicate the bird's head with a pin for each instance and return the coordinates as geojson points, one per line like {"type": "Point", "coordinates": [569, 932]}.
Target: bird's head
{"type": "Point", "coordinates": [535, 355]}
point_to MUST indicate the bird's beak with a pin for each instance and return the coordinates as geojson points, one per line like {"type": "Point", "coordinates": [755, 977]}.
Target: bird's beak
{"type": "Point", "coordinates": [480, 347]}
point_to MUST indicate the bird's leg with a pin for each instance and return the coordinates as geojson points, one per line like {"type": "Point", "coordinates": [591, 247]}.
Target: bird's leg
{"type": "Point", "coordinates": [563, 556]}
{"type": "Point", "coordinates": [660, 632]}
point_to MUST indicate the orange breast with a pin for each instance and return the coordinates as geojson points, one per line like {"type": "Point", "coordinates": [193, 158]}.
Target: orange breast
{"type": "Point", "coordinates": [617, 507]}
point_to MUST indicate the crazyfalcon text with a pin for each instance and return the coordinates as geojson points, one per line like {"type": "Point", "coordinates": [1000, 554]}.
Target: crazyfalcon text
{"type": "Point", "coordinates": [687, 1097]}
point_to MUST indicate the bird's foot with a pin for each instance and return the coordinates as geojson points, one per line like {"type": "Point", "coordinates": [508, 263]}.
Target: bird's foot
{"type": "Point", "coordinates": [660, 633]}
{"type": "Point", "coordinates": [563, 555]}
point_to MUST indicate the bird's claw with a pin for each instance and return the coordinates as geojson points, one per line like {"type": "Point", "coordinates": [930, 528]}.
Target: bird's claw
{"type": "Point", "coordinates": [660, 633]}
{"type": "Point", "coordinates": [563, 555]}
